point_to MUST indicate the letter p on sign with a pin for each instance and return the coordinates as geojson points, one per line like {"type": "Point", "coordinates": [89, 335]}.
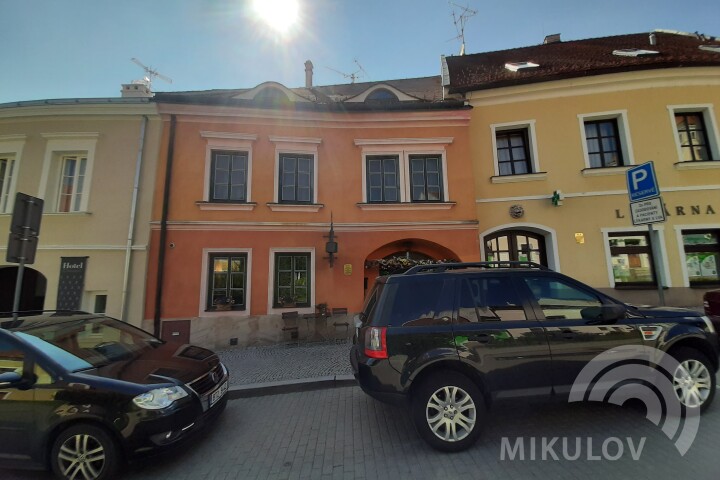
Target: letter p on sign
{"type": "Point", "coordinates": [636, 177]}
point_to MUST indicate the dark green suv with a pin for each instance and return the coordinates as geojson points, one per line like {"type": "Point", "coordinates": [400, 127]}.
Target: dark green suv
{"type": "Point", "coordinates": [450, 339]}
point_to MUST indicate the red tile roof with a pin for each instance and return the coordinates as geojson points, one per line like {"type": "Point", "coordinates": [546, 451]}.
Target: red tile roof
{"type": "Point", "coordinates": [578, 58]}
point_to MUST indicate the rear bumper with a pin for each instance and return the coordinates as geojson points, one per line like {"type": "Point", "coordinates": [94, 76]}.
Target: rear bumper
{"type": "Point", "coordinates": [377, 378]}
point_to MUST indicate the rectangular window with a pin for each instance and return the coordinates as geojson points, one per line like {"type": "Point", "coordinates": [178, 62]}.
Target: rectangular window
{"type": "Point", "coordinates": [702, 256]}
{"type": "Point", "coordinates": [7, 165]}
{"type": "Point", "coordinates": [72, 179]}
{"type": "Point", "coordinates": [487, 299]}
{"type": "Point", "coordinates": [513, 152]}
{"type": "Point", "coordinates": [229, 175]}
{"type": "Point", "coordinates": [426, 178]}
{"type": "Point", "coordinates": [561, 301]}
{"type": "Point", "coordinates": [296, 178]}
{"type": "Point", "coordinates": [227, 284]}
{"type": "Point", "coordinates": [292, 280]}
{"type": "Point", "coordinates": [632, 259]}
{"type": "Point", "coordinates": [693, 136]}
{"type": "Point", "coordinates": [603, 143]}
{"type": "Point", "coordinates": [383, 179]}
{"type": "Point", "coordinates": [100, 304]}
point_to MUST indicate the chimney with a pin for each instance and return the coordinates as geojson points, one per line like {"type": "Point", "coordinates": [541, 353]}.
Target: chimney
{"type": "Point", "coordinates": [554, 38]}
{"type": "Point", "coordinates": [653, 39]}
{"type": "Point", "coordinates": [308, 74]}
{"type": "Point", "coordinates": [136, 89]}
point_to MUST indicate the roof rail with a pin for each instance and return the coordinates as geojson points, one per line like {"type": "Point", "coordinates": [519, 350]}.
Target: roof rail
{"type": "Point", "coordinates": [442, 267]}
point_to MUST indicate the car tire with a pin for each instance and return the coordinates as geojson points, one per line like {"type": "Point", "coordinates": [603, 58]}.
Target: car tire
{"type": "Point", "coordinates": [84, 452]}
{"type": "Point", "coordinates": [448, 411]}
{"type": "Point", "coordinates": [694, 380]}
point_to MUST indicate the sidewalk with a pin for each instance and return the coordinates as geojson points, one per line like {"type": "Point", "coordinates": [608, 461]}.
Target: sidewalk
{"type": "Point", "coordinates": [272, 369]}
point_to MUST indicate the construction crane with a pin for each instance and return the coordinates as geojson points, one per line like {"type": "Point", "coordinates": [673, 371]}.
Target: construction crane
{"type": "Point", "coordinates": [150, 74]}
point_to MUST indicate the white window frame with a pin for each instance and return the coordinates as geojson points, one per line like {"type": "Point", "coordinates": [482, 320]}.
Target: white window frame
{"type": "Point", "coordinates": [271, 279]}
{"type": "Point", "coordinates": [623, 131]}
{"type": "Point", "coordinates": [78, 158]}
{"type": "Point", "coordinates": [681, 245]}
{"type": "Point", "coordinates": [295, 145]}
{"type": "Point", "coordinates": [11, 147]}
{"type": "Point", "coordinates": [227, 141]}
{"type": "Point", "coordinates": [708, 113]}
{"type": "Point", "coordinates": [204, 280]}
{"type": "Point", "coordinates": [528, 125]}
{"type": "Point", "coordinates": [403, 148]}
{"type": "Point", "coordinates": [664, 277]}
{"type": "Point", "coordinates": [58, 146]}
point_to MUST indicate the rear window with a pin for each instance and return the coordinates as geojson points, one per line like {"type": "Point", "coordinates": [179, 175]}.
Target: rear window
{"type": "Point", "coordinates": [416, 302]}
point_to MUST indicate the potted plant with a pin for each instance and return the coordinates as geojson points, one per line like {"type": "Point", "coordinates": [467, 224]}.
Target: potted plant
{"type": "Point", "coordinates": [287, 300]}
{"type": "Point", "coordinates": [223, 303]}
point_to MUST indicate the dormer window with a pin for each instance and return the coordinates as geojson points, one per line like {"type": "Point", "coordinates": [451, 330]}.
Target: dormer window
{"type": "Point", "coordinates": [710, 48]}
{"type": "Point", "coordinates": [634, 52]}
{"type": "Point", "coordinates": [515, 66]}
{"type": "Point", "coordinates": [271, 95]}
{"type": "Point", "coordinates": [382, 95]}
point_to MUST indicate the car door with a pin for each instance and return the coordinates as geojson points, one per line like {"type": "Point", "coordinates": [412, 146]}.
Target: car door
{"type": "Point", "coordinates": [16, 402]}
{"type": "Point", "coordinates": [497, 334]}
{"type": "Point", "coordinates": [568, 312]}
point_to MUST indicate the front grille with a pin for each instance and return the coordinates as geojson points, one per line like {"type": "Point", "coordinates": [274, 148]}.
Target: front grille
{"type": "Point", "coordinates": [205, 383]}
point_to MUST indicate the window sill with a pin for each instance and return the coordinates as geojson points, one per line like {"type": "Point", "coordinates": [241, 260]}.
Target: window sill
{"type": "Point", "coordinates": [249, 206]}
{"type": "Point", "coordinates": [603, 171]}
{"type": "Point", "coordinates": [66, 214]}
{"type": "Point", "coordinates": [407, 206]}
{"type": "Point", "coordinates": [697, 165]}
{"type": "Point", "coordinates": [526, 177]}
{"type": "Point", "coordinates": [295, 207]}
{"type": "Point", "coordinates": [224, 313]}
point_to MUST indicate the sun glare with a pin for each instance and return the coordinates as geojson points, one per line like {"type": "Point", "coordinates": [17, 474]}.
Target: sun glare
{"type": "Point", "coordinates": [277, 14]}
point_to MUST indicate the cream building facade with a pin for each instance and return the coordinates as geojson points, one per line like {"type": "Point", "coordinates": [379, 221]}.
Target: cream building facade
{"type": "Point", "coordinates": [554, 129]}
{"type": "Point", "coordinates": [93, 162]}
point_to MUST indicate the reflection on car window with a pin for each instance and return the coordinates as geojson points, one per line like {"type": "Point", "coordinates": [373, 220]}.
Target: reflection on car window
{"type": "Point", "coordinates": [418, 304]}
{"type": "Point", "coordinates": [11, 358]}
{"type": "Point", "coordinates": [489, 299]}
{"type": "Point", "coordinates": [559, 300]}
{"type": "Point", "coordinates": [64, 358]}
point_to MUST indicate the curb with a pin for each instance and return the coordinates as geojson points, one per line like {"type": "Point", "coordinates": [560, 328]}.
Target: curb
{"type": "Point", "coordinates": [290, 386]}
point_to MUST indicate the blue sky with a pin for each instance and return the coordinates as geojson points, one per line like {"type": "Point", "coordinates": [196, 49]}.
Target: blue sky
{"type": "Point", "coordinates": [82, 48]}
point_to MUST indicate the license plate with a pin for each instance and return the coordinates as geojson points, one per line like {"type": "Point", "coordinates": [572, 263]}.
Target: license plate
{"type": "Point", "coordinates": [218, 394]}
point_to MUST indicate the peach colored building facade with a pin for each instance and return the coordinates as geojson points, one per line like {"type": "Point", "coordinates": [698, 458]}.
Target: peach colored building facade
{"type": "Point", "coordinates": [252, 191]}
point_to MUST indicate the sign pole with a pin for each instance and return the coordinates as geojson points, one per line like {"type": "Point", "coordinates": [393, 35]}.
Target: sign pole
{"type": "Point", "coordinates": [654, 248]}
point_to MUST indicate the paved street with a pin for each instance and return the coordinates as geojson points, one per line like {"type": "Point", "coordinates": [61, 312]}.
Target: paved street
{"type": "Point", "coordinates": [342, 433]}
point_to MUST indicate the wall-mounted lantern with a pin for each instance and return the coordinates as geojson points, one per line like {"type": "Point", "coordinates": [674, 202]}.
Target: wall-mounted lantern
{"type": "Point", "coordinates": [331, 246]}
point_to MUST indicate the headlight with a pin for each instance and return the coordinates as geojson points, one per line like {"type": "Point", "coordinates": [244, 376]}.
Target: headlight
{"type": "Point", "coordinates": [159, 398]}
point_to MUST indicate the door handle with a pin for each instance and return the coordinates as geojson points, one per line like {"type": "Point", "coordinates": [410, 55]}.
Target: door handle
{"type": "Point", "coordinates": [480, 338]}
{"type": "Point", "coordinates": [568, 334]}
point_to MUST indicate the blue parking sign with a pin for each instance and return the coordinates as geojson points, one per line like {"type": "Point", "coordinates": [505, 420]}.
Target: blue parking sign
{"type": "Point", "coordinates": [642, 182]}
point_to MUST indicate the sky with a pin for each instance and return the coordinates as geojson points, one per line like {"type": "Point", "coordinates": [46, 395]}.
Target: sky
{"type": "Point", "coordinates": [83, 48]}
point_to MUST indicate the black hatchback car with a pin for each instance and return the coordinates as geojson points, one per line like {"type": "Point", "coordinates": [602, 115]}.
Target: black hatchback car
{"type": "Point", "coordinates": [451, 339]}
{"type": "Point", "coordinates": [81, 393]}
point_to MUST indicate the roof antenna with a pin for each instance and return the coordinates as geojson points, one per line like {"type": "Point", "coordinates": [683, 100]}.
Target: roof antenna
{"type": "Point", "coordinates": [459, 19]}
{"type": "Point", "coordinates": [150, 74]}
{"type": "Point", "coordinates": [359, 73]}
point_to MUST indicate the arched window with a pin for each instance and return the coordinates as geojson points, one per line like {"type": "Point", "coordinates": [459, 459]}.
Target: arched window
{"type": "Point", "coordinates": [382, 95]}
{"type": "Point", "coordinates": [272, 96]}
{"type": "Point", "coordinates": [516, 246]}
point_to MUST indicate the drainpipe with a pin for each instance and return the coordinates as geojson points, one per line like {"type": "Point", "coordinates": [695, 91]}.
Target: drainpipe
{"type": "Point", "coordinates": [163, 229]}
{"type": "Point", "coordinates": [133, 209]}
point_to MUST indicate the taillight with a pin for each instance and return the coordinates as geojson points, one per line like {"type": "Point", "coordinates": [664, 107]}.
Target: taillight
{"type": "Point", "coordinates": [375, 342]}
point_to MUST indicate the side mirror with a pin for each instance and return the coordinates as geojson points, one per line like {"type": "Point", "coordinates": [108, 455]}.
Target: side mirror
{"type": "Point", "coordinates": [357, 320]}
{"type": "Point", "coordinates": [10, 379]}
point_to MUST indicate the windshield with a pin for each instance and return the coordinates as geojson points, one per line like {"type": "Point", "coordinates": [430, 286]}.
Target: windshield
{"type": "Point", "coordinates": [79, 344]}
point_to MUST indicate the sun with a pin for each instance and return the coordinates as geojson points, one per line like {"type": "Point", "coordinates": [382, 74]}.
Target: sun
{"type": "Point", "coordinates": [277, 14]}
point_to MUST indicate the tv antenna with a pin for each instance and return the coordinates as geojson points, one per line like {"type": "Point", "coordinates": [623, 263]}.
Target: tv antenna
{"type": "Point", "coordinates": [150, 74]}
{"type": "Point", "coordinates": [459, 19]}
{"type": "Point", "coordinates": [359, 73]}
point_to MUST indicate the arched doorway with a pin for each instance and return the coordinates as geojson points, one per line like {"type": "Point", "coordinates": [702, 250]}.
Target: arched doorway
{"type": "Point", "coordinates": [516, 246]}
{"type": "Point", "coordinates": [397, 257]}
{"type": "Point", "coordinates": [33, 289]}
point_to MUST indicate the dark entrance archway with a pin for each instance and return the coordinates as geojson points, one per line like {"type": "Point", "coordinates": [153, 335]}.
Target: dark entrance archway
{"type": "Point", "coordinates": [33, 291]}
{"type": "Point", "coordinates": [517, 246]}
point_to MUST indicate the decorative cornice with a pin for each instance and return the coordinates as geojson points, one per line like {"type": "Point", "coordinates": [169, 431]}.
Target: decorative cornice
{"type": "Point", "coordinates": [13, 138]}
{"type": "Point", "coordinates": [697, 165]}
{"type": "Point", "coordinates": [62, 135]}
{"type": "Point", "coordinates": [528, 177]}
{"type": "Point", "coordinates": [210, 206]}
{"type": "Point", "coordinates": [407, 206]}
{"type": "Point", "coordinates": [277, 139]}
{"type": "Point", "coordinates": [291, 207]}
{"type": "Point", "coordinates": [229, 135]}
{"type": "Point", "coordinates": [404, 141]}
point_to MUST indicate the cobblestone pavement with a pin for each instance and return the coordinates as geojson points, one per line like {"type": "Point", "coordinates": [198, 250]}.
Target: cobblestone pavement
{"type": "Point", "coordinates": [286, 362]}
{"type": "Point", "coordinates": [342, 433]}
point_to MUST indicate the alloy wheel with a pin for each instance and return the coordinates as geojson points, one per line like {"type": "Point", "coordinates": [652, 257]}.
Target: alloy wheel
{"type": "Point", "coordinates": [692, 383]}
{"type": "Point", "coordinates": [81, 457]}
{"type": "Point", "coordinates": [451, 414]}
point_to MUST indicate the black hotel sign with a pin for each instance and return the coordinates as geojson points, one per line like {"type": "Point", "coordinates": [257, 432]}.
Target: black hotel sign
{"type": "Point", "coordinates": [72, 283]}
